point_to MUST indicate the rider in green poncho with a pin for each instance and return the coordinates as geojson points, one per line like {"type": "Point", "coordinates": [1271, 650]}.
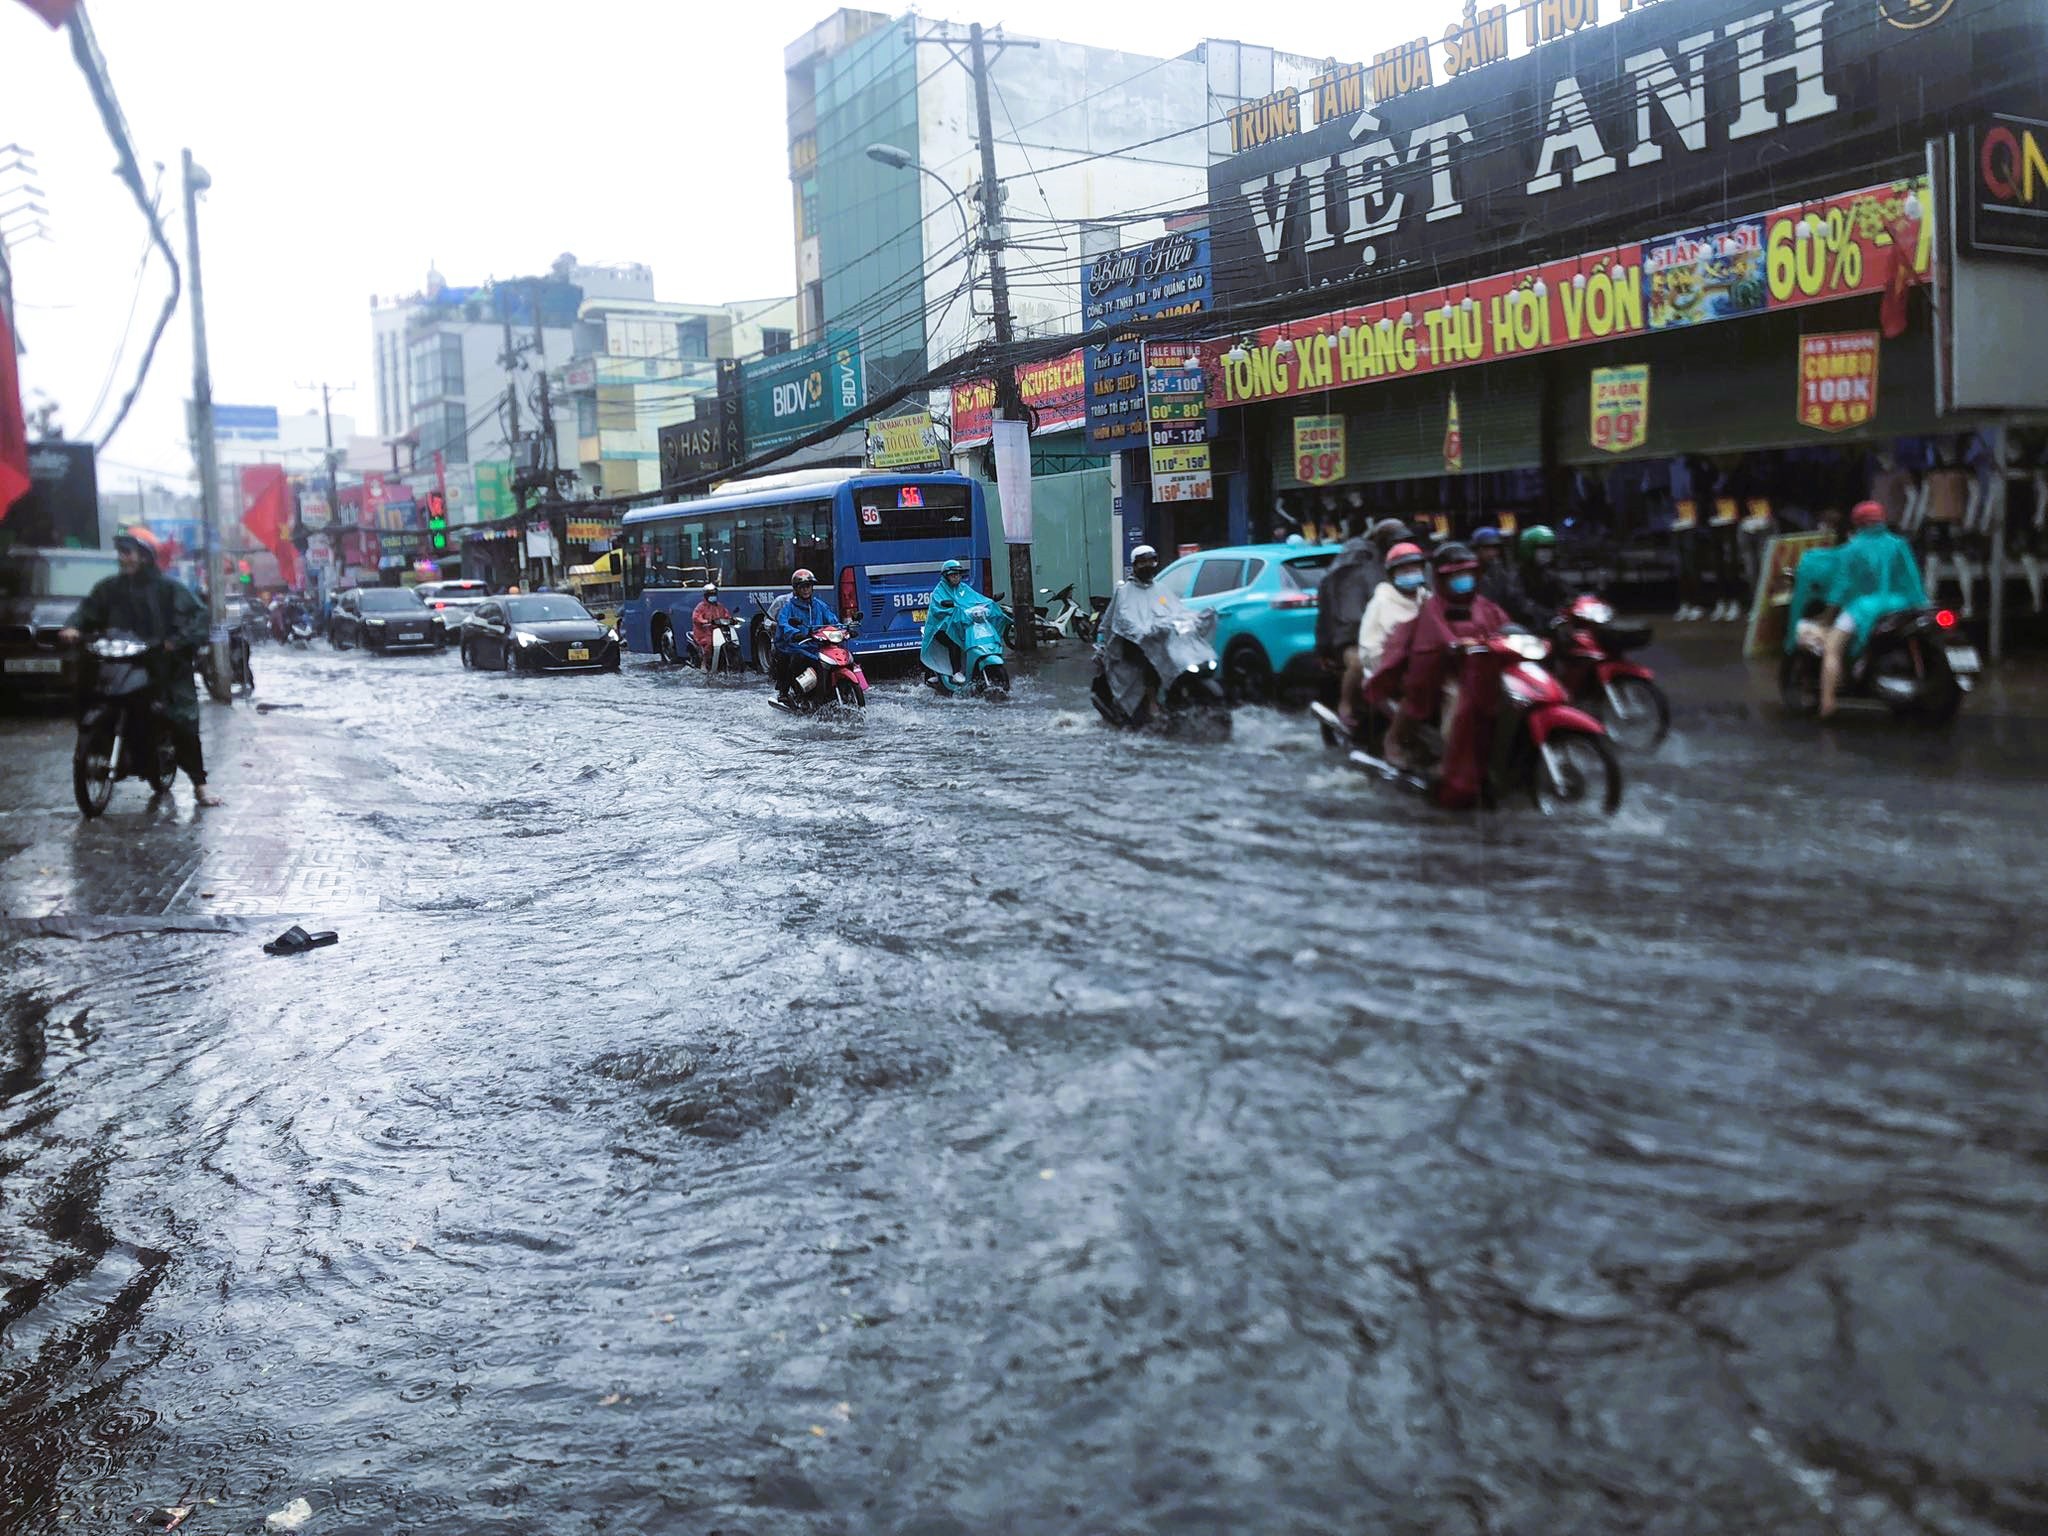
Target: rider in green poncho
{"type": "Point", "coordinates": [1873, 575]}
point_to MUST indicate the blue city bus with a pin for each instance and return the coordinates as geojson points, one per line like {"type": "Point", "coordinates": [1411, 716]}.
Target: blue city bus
{"type": "Point", "coordinates": [874, 539]}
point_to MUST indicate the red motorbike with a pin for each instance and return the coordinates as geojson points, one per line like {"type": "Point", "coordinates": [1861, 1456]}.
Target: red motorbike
{"type": "Point", "coordinates": [1589, 656]}
{"type": "Point", "coordinates": [1512, 730]}
{"type": "Point", "coordinates": [834, 677]}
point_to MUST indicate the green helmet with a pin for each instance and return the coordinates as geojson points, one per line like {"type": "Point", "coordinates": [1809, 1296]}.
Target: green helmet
{"type": "Point", "coordinates": [1537, 535]}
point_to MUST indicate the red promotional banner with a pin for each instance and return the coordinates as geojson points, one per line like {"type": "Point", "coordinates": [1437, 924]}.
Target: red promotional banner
{"type": "Point", "coordinates": [1054, 392]}
{"type": "Point", "coordinates": [55, 12]}
{"type": "Point", "coordinates": [14, 476]}
{"type": "Point", "coordinates": [1837, 247]}
{"type": "Point", "coordinates": [1837, 379]}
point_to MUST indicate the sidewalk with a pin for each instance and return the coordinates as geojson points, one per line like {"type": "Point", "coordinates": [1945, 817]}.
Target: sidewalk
{"type": "Point", "coordinates": [282, 846]}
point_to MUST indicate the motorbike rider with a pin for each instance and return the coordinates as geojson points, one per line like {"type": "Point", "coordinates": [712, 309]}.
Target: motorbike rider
{"type": "Point", "coordinates": [164, 614]}
{"type": "Point", "coordinates": [1500, 581]}
{"type": "Point", "coordinates": [1342, 596]}
{"type": "Point", "coordinates": [1544, 593]}
{"type": "Point", "coordinates": [1419, 662]}
{"type": "Point", "coordinates": [1137, 607]}
{"type": "Point", "coordinates": [708, 613]}
{"type": "Point", "coordinates": [1397, 600]}
{"type": "Point", "coordinates": [802, 614]}
{"type": "Point", "coordinates": [1873, 575]}
{"type": "Point", "coordinates": [947, 608]}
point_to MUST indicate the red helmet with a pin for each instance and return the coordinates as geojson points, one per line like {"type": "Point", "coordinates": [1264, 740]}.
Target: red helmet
{"type": "Point", "coordinates": [1405, 554]}
{"type": "Point", "coordinates": [800, 577]}
{"type": "Point", "coordinates": [1868, 514]}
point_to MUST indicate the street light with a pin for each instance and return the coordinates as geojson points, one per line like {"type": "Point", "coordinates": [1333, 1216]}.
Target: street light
{"type": "Point", "coordinates": [903, 160]}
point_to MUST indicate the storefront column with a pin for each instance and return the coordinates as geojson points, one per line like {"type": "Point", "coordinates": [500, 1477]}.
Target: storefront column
{"type": "Point", "coordinates": [1546, 432]}
{"type": "Point", "coordinates": [1994, 567]}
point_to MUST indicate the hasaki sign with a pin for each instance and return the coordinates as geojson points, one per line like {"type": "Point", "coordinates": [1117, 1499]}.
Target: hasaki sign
{"type": "Point", "coordinates": [1621, 407]}
{"type": "Point", "coordinates": [1837, 380]}
{"type": "Point", "coordinates": [1833, 248]}
{"type": "Point", "coordinates": [1054, 393]}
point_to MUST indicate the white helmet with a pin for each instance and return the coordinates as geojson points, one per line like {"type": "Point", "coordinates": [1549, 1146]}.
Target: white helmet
{"type": "Point", "coordinates": [711, 589]}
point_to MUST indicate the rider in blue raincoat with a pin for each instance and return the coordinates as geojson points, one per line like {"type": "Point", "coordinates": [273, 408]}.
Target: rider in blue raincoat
{"type": "Point", "coordinates": [795, 622]}
{"type": "Point", "coordinates": [945, 622]}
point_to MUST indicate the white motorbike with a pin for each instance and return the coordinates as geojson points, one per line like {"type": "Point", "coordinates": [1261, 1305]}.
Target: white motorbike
{"type": "Point", "coordinates": [1062, 618]}
{"type": "Point", "coordinates": [721, 656]}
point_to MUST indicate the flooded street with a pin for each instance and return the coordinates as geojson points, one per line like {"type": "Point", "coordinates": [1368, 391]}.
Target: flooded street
{"type": "Point", "coordinates": [964, 1119]}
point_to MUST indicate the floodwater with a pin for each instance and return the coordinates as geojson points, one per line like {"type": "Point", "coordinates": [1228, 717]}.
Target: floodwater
{"type": "Point", "coordinates": [964, 1119]}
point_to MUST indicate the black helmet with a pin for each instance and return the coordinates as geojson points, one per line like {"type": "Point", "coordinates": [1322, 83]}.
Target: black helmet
{"type": "Point", "coordinates": [1453, 556]}
{"type": "Point", "coordinates": [1389, 531]}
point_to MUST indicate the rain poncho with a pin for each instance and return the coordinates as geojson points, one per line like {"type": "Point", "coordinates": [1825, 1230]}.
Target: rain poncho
{"type": "Point", "coordinates": [158, 611]}
{"type": "Point", "coordinates": [795, 620]}
{"type": "Point", "coordinates": [945, 616]}
{"type": "Point", "coordinates": [1346, 588]}
{"type": "Point", "coordinates": [1138, 640]}
{"type": "Point", "coordinates": [1877, 576]}
{"type": "Point", "coordinates": [1814, 582]}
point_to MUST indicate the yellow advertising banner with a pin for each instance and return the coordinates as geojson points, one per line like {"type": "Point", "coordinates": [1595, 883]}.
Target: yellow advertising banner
{"type": "Point", "coordinates": [1319, 449]}
{"type": "Point", "coordinates": [903, 442]}
{"type": "Point", "coordinates": [1621, 407]}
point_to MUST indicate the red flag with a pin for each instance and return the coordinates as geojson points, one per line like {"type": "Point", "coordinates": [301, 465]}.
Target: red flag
{"type": "Point", "coordinates": [14, 477]}
{"type": "Point", "coordinates": [268, 516]}
{"type": "Point", "coordinates": [1904, 250]}
{"type": "Point", "coordinates": [55, 12]}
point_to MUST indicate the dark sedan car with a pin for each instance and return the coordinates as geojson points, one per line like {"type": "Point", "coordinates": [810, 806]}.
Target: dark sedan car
{"type": "Point", "coordinates": [384, 619]}
{"type": "Point", "coordinates": [544, 633]}
{"type": "Point", "coordinates": [38, 590]}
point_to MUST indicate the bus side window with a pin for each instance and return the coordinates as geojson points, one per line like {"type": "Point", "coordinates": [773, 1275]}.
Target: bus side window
{"type": "Point", "coordinates": [814, 540]}
{"type": "Point", "coordinates": [633, 564]}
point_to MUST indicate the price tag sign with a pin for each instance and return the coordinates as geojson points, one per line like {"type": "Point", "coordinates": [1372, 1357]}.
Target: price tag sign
{"type": "Point", "coordinates": [1837, 380]}
{"type": "Point", "coordinates": [1621, 407]}
{"type": "Point", "coordinates": [1319, 449]}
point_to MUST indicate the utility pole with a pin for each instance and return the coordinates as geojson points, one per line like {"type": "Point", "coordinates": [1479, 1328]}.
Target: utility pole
{"type": "Point", "coordinates": [203, 449]}
{"type": "Point", "coordinates": [333, 481]}
{"type": "Point", "coordinates": [547, 457]}
{"type": "Point", "coordinates": [510, 359]}
{"type": "Point", "coordinates": [1009, 402]}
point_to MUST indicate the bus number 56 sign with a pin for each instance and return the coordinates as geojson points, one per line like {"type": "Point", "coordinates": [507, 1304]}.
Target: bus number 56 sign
{"type": "Point", "coordinates": [1621, 407]}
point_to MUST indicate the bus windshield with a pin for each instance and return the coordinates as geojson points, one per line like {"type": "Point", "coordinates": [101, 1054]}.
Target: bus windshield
{"type": "Point", "coordinates": [890, 512]}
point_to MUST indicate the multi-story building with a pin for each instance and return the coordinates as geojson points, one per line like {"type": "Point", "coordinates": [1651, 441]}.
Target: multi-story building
{"type": "Point", "coordinates": [1092, 146]}
{"type": "Point", "coordinates": [640, 364]}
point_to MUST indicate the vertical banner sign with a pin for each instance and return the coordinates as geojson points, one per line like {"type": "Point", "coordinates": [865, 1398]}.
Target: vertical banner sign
{"type": "Point", "coordinates": [1177, 421]}
{"type": "Point", "coordinates": [1319, 449]}
{"type": "Point", "coordinates": [1837, 379]}
{"type": "Point", "coordinates": [1012, 441]}
{"type": "Point", "coordinates": [1454, 440]}
{"type": "Point", "coordinates": [1167, 276]}
{"type": "Point", "coordinates": [1621, 407]}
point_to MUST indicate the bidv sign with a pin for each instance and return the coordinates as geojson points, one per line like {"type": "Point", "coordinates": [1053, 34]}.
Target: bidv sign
{"type": "Point", "coordinates": [1606, 125]}
{"type": "Point", "coordinates": [789, 396]}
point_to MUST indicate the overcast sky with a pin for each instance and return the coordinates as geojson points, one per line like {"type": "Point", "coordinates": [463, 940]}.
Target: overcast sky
{"type": "Point", "coordinates": [351, 145]}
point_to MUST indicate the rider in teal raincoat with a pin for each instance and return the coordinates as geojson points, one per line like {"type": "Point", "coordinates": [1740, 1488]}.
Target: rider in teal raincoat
{"type": "Point", "coordinates": [945, 621]}
{"type": "Point", "coordinates": [1814, 588]}
{"type": "Point", "coordinates": [1877, 575]}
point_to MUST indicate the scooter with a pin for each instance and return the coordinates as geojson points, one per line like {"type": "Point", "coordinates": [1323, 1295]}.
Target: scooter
{"type": "Point", "coordinates": [121, 729]}
{"type": "Point", "coordinates": [300, 631]}
{"type": "Point", "coordinates": [982, 670]}
{"type": "Point", "coordinates": [1062, 618]}
{"type": "Point", "coordinates": [722, 657]}
{"type": "Point", "coordinates": [1589, 657]}
{"type": "Point", "coordinates": [834, 677]}
{"type": "Point", "coordinates": [1183, 693]}
{"type": "Point", "coordinates": [1917, 664]}
{"type": "Point", "coordinates": [1532, 740]}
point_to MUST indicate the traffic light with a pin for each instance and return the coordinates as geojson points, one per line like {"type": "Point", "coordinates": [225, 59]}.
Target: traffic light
{"type": "Point", "coordinates": [437, 521]}
{"type": "Point", "coordinates": [245, 572]}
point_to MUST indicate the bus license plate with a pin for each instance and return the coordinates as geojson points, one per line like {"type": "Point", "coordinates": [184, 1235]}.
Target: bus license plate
{"type": "Point", "coordinates": [579, 653]}
{"type": "Point", "coordinates": [1962, 658]}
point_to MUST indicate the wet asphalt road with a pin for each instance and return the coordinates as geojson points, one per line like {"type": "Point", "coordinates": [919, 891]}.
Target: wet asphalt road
{"type": "Point", "coordinates": [964, 1120]}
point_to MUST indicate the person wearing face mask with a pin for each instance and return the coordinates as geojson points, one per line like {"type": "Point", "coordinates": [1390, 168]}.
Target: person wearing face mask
{"type": "Point", "coordinates": [1420, 659]}
{"type": "Point", "coordinates": [1545, 593]}
{"type": "Point", "coordinates": [1394, 602]}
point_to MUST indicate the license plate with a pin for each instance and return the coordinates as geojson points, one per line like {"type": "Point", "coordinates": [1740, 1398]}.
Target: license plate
{"type": "Point", "coordinates": [411, 634]}
{"type": "Point", "coordinates": [34, 664]}
{"type": "Point", "coordinates": [917, 614]}
{"type": "Point", "coordinates": [1962, 658]}
{"type": "Point", "coordinates": [579, 653]}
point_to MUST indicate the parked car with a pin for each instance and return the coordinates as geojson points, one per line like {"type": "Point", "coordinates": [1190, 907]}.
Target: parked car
{"type": "Point", "coordinates": [542, 633]}
{"type": "Point", "coordinates": [454, 601]}
{"type": "Point", "coordinates": [384, 619]}
{"type": "Point", "coordinates": [1264, 596]}
{"type": "Point", "coordinates": [38, 590]}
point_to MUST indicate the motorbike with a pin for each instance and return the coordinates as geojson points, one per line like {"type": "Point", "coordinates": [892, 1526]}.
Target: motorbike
{"type": "Point", "coordinates": [982, 669]}
{"type": "Point", "coordinates": [722, 657]}
{"type": "Point", "coordinates": [122, 732]}
{"type": "Point", "coordinates": [1183, 692]}
{"type": "Point", "coordinates": [1589, 656]}
{"type": "Point", "coordinates": [299, 631]}
{"type": "Point", "coordinates": [1533, 740]}
{"type": "Point", "coordinates": [1916, 664]}
{"type": "Point", "coordinates": [834, 677]}
{"type": "Point", "coordinates": [1062, 617]}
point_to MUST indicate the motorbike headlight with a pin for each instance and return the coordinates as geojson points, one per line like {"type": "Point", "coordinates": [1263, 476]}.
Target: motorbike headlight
{"type": "Point", "coordinates": [1528, 647]}
{"type": "Point", "coordinates": [525, 638]}
{"type": "Point", "coordinates": [1596, 613]}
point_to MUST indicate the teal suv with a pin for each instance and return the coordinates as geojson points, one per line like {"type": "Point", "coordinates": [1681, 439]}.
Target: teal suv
{"type": "Point", "coordinates": [1265, 601]}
